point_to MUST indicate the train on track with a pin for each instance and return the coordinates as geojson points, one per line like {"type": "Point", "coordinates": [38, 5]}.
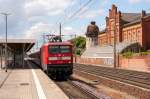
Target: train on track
{"type": "Point", "coordinates": [55, 58]}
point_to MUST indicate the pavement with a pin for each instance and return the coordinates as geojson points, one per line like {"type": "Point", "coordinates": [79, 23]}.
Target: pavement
{"type": "Point", "coordinates": [28, 83]}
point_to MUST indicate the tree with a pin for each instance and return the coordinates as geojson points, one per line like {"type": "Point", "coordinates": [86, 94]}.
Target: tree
{"type": "Point", "coordinates": [79, 44]}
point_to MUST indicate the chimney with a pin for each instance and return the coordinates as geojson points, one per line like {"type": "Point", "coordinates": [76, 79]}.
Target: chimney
{"type": "Point", "coordinates": [107, 19]}
{"type": "Point", "coordinates": [143, 13]}
{"type": "Point", "coordinates": [109, 12]}
{"type": "Point", "coordinates": [119, 13]}
{"type": "Point", "coordinates": [114, 8]}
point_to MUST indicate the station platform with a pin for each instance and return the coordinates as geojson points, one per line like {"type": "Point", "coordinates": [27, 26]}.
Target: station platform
{"type": "Point", "coordinates": [28, 83]}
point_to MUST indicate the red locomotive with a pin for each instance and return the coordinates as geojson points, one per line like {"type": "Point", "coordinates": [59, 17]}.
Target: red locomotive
{"type": "Point", "coordinates": [56, 58]}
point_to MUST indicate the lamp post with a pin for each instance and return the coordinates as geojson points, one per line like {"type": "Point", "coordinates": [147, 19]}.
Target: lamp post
{"type": "Point", "coordinates": [6, 14]}
{"type": "Point", "coordinates": [44, 38]}
{"type": "Point", "coordinates": [75, 49]}
{"type": "Point", "coordinates": [114, 48]}
{"type": "Point", "coordinates": [60, 40]}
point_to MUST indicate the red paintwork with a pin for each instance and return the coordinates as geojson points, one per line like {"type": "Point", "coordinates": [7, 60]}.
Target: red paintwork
{"type": "Point", "coordinates": [45, 54]}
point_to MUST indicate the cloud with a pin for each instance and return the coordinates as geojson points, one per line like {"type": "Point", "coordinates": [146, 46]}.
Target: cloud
{"type": "Point", "coordinates": [30, 16]}
{"type": "Point", "coordinates": [72, 31]}
{"type": "Point", "coordinates": [104, 3]}
{"type": "Point", "coordinates": [46, 7]}
{"type": "Point", "coordinates": [137, 1]}
{"type": "Point", "coordinates": [68, 28]}
{"type": "Point", "coordinates": [102, 27]}
{"type": "Point", "coordinates": [69, 32]}
{"type": "Point", "coordinates": [134, 1]}
{"type": "Point", "coordinates": [37, 30]}
{"type": "Point", "coordinates": [91, 14]}
{"type": "Point", "coordinates": [16, 17]}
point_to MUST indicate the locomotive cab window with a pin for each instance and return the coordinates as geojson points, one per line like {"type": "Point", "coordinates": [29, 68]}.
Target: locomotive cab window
{"type": "Point", "coordinates": [53, 49]}
{"type": "Point", "coordinates": [65, 49]}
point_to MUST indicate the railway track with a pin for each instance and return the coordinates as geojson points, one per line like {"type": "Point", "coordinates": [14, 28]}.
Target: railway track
{"type": "Point", "coordinates": [140, 79]}
{"type": "Point", "coordinates": [79, 90]}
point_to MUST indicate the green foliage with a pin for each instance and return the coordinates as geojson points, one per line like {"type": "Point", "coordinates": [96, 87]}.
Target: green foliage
{"type": "Point", "coordinates": [130, 54]}
{"type": "Point", "coordinates": [127, 54]}
{"type": "Point", "coordinates": [79, 44]}
{"type": "Point", "coordinates": [145, 53]}
{"type": "Point", "coordinates": [78, 52]}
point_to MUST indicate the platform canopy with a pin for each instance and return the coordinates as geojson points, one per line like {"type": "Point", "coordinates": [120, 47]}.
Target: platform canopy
{"type": "Point", "coordinates": [19, 44]}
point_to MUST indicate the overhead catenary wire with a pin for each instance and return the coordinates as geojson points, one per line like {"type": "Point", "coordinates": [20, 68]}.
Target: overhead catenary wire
{"type": "Point", "coordinates": [78, 11]}
{"type": "Point", "coordinates": [84, 10]}
{"type": "Point", "coordinates": [62, 17]}
{"type": "Point", "coordinates": [81, 11]}
{"type": "Point", "coordinates": [65, 19]}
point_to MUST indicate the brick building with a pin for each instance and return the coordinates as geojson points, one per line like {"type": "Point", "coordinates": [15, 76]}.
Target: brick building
{"type": "Point", "coordinates": [128, 27]}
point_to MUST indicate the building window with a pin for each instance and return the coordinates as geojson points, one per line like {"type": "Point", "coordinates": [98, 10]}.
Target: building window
{"type": "Point", "coordinates": [136, 36]}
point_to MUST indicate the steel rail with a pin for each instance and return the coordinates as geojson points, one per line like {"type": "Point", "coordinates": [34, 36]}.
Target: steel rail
{"type": "Point", "coordinates": [126, 77]}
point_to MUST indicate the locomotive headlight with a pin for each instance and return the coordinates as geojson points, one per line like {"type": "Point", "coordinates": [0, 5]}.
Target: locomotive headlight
{"type": "Point", "coordinates": [66, 58]}
{"type": "Point", "coordinates": [52, 58]}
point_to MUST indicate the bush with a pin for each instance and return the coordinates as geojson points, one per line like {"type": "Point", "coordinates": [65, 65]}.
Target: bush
{"type": "Point", "coordinates": [144, 53]}
{"type": "Point", "coordinates": [127, 54]}
{"type": "Point", "coordinates": [78, 52]}
{"type": "Point", "coordinates": [130, 54]}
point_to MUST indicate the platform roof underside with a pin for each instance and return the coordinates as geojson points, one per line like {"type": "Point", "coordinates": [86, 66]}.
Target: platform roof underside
{"type": "Point", "coordinates": [18, 45]}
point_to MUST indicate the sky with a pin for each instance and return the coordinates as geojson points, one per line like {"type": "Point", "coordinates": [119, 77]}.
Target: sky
{"type": "Point", "coordinates": [33, 18]}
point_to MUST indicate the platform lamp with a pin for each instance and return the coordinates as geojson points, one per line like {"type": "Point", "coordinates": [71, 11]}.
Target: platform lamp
{"type": "Point", "coordinates": [6, 15]}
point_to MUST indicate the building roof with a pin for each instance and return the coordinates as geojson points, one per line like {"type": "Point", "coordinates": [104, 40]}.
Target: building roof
{"type": "Point", "coordinates": [19, 44]}
{"type": "Point", "coordinates": [132, 18]}
{"type": "Point", "coordinates": [102, 31]}
{"type": "Point", "coordinates": [132, 23]}
{"type": "Point", "coordinates": [18, 41]}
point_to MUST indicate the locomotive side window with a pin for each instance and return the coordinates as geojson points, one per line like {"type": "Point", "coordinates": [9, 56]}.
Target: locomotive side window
{"type": "Point", "coordinates": [54, 49]}
{"type": "Point", "coordinates": [65, 49]}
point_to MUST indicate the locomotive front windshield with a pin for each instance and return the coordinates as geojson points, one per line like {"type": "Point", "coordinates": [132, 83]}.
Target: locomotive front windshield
{"type": "Point", "coordinates": [54, 49]}
{"type": "Point", "coordinates": [65, 49]}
